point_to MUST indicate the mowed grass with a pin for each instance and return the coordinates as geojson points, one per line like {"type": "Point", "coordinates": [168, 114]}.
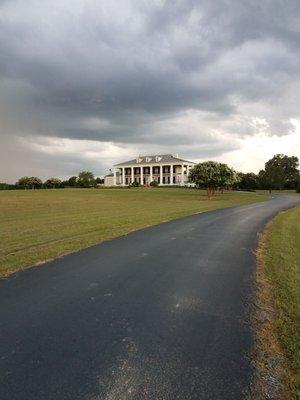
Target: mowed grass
{"type": "Point", "coordinates": [282, 267]}
{"type": "Point", "coordinates": [38, 225]}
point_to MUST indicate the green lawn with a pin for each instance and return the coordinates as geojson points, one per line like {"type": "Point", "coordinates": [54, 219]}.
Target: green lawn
{"type": "Point", "coordinates": [282, 267]}
{"type": "Point", "coordinates": [38, 225]}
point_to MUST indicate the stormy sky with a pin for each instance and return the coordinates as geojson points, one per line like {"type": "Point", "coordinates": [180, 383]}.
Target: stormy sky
{"type": "Point", "coordinates": [88, 83]}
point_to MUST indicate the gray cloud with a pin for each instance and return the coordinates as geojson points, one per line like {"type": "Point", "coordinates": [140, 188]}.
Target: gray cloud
{"type": "Point", "coordinates": [196, 74]}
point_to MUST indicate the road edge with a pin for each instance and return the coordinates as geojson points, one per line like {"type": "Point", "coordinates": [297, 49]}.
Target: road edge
{"type": "Point", "coordinates": [272, 373]}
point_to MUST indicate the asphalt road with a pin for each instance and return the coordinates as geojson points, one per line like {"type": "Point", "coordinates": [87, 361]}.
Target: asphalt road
{"type": "Point", "coordinates": [160, 314]}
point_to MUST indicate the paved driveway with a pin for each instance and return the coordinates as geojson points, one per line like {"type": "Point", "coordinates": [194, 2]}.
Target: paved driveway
{"type": "Point", "coordinates": [162, 313]}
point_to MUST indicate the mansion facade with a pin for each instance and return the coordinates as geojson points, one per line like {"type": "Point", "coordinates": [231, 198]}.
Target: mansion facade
{"type": "Point", "coordinates": [165, 169]}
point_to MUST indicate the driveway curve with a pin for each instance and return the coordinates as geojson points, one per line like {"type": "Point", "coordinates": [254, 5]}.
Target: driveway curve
{"type": "Point", "coordinates": [160, 314]}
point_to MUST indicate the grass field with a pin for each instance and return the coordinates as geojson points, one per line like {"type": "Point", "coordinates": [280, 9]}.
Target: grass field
{"type": "Point", "coordinates": [37, 225]}
{"type": "Point", "coordinates": [282, 268]}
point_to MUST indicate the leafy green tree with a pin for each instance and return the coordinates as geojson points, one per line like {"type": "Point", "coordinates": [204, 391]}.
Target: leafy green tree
{"type": "Point", "coordinates": [227, 176]}
{"type": "Point", "coordinates": [53, 183]}
{"type": "Point", "coordinates": [34, 183]}
{"type": "Point", "coordinates": [64, 184]}
{"type": "Point", "coordinates": [100, 181]}
{"type": "Point", "coordinates": [23, 182]}
{"type": "Point", "coordinates": [86, 179]}
{"type": "Point", "coordinates": [212, 175]}
{"type": "Point", "coordinates": [281, 171]}
{"type": "Point", "coordinates": [72, 181]}
{"type": "Point", "coordinates": [30, 182]}
{"type": "Point", "coordinates": [248, 181]}
{"type": "Point", "coordinates": [262, 179]}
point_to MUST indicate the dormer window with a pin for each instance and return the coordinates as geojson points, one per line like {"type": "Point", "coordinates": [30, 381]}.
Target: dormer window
{"type": "Point", "coordinates": [157, 158]}
{"type": "Point", "coordinates": [138, 160]}
{"type": "Point", "coordinates": [148, 159]}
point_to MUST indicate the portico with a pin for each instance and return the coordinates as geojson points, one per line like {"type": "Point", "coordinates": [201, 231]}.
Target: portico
{"type": "Point", "coordinates": [166, 170]}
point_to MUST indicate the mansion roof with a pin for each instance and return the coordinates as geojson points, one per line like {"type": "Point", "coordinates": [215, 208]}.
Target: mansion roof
{"type": "Point", "coordinates": [156, 159]}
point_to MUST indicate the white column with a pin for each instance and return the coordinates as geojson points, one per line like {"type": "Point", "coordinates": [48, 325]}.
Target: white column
{"type": "Point", "coordinates": [142, 176]}
{"type": "Point", "coordinates": [188, 172]}
{"type": "Point", "coordinates": [161, 175]}
{"type": "Point", "coordinates": [171, 174]}
{"type": "Point", "coordinates": [151, 175]}
{"type": "Point", "coordinates": [182, 175]}
{"type": "Point", "coordinates": [132, 175]}
{"type": "Point", "coordinates": [123, 176]}
{"type": "Point", "coordinates": [115, 177]}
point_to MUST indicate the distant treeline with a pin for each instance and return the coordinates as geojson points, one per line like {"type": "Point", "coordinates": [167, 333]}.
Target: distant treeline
{"type": "Point", "coordinates": [84, 179]}
{"type": "Point", "coordinates": [280, 172]}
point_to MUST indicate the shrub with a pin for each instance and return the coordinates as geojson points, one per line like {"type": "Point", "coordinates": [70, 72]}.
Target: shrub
{"type": "Point", "coordinates": [135, 184]}
{"type": "Point", "coordinates": [153, 184]}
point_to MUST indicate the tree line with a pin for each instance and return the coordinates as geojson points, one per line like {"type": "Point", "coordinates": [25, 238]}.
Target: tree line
{"type": "Point", "coordinates": [84, 179]}
{"type": "Point", "coordinates": [280, 172]}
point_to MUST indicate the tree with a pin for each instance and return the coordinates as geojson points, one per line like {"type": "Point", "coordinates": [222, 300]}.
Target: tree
{"type": "Point", "coordinates": [23, 182]}
{"type": "Point", "coordinates": [35, 183]}
{"type": "Point", "coordinates": [262, 179]}
{"type": "Point", "coordinates": [30, 182]}
{"type": "Point", "coordinates": [227, 176]}
{"type": "Point", "coordinates": [86, 179]}
{"type": "Point", "coordinates": [212, 175]}
{"type": "Point", "coordinates": [248, 181]}
{"type": "Point", "coordinates": [53, 183]}
{"type": "Point", "coordinates": [281, 171]}
{"type": "Point", "coordinates": [72, 181]}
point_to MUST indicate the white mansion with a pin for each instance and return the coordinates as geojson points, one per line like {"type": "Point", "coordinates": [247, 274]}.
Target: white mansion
{"type": "Point", "coordinates": [165, 169]}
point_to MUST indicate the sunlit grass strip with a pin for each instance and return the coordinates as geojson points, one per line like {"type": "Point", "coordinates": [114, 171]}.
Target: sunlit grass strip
{"type": "Point", "coordinates": [276, 317]}
{"type": "Point", "coordinates": [282, 267]}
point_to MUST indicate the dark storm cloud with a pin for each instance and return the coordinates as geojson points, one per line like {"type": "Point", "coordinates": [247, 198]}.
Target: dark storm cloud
{"type": "Point", "coordinates": [125, 71]}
